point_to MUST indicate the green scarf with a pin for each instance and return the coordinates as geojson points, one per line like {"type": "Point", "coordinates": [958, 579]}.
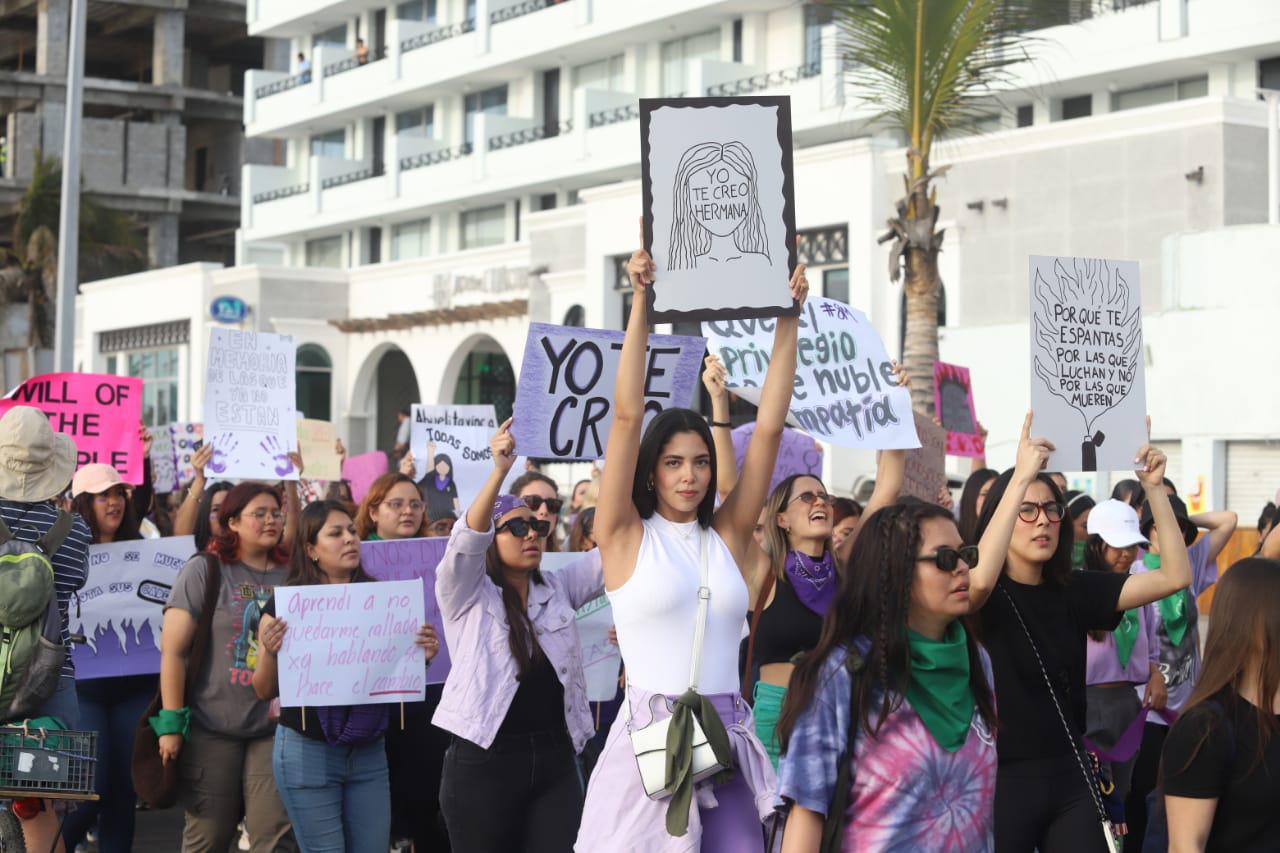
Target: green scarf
{"type": "Point", "coordinates": [1173, 609]}
{"type": "Point", "coordinates": [373, 537]}
{"type": "Point", "coordinates": [1126, 634]}
{"type": "Point", "coordinates": [679, 776]}
{"type": "Point", "coordinates": [1077, 554]}
{"type": "Point", "coordinates": [939, 690]}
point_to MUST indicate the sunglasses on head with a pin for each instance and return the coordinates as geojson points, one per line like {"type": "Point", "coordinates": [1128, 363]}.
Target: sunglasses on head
{"type": "Point", "coordinates": [1053, 510]}
{"type": "Point", "coordinates": [520, 527]}
{"type": "Point", "coordinates": [948, 558]}
{"type": "Point", "coordinates": [811, 498]}
{"type": "Point", "coordinates": [535, 503]}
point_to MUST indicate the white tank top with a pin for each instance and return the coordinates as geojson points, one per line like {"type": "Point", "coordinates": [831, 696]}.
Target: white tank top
{"type": "Point", "coordinates": [656, 609]}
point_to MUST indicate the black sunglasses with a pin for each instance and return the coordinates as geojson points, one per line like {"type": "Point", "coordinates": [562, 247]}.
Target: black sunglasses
{"type": "Point", "coordinates": [811, 498]}
{"type": "Point", "coordinates": [534, 503]}
{"type": "Point", "coordinates": [948, 558]}
{"type": "Point", "coordinates": [520, 527]}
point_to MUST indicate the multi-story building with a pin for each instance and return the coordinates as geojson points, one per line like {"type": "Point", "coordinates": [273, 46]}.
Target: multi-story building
{"type": "Point", "coordinates": [454, 169]}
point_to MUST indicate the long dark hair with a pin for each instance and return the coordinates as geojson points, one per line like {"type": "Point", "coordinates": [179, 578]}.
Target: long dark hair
{"type": "Point", "coordinates": [520, 635]}
{"type": "Point", "coordinates": [1130, 491]}
{"type": "Point", "coordinates": [227, 546]}
{"type": "Point", "coordinates": [1057, 569]}
{"type": "Point", "coordinates": [518, 485]}
{"type": "Point", "coordinates": [969, 502]}
{"type": "Point", "coordinates": [1095, 560]}
{"type": "Point", "coordinates": [873, 602]}
{"type": "Point", "coordinates": [1245, 628]}
{"type": "Point", "coordinates": [659, 432]}
{"type": "Point", "coordinates": [303, 571]}
{"type": "Point", "coordinates": [129, 525]}
{"type": "Point", "coordinates": [204, 530]}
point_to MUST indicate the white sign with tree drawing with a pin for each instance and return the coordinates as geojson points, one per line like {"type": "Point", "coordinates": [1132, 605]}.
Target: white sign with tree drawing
{"type": "Point", "coordinates": [719, 211]}
{"type": "Point", "coordinates": [1088, 388]}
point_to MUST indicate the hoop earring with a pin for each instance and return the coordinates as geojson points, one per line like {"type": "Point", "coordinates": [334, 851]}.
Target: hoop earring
{"type": "Point", "coordinates": [649, 485]}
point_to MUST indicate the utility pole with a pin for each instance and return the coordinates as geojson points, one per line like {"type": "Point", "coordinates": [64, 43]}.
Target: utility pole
{"type": "Point", "coordinates": [69, 214]}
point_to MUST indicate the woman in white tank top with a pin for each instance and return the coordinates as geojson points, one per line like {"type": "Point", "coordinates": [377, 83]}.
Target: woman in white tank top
{"type": "Point", "coordinates": [656, 512]}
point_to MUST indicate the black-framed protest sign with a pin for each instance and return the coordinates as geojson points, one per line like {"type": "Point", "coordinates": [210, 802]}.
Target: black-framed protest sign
{"type": "Point", "coordinates": [719, 207]}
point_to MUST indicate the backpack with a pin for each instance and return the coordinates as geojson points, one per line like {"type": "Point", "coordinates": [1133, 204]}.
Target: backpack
{"type": "Point", "coordinates": [31, 649]}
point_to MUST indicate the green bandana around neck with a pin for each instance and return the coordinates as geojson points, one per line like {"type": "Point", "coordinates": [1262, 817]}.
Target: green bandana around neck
{"type": "Point", "coordinates": [1173, 608]}
{"type": "Point", "coordinates": [1077, 554]}
{"type": "Point", "coordinates": [1126, 634]}
{"type": "Point", "coordinates": [939, 690]}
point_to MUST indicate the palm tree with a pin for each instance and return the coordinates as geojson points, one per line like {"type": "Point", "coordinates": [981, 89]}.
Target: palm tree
{"type": "Point", "coordinates": [110, 244]}
{"type": "Point", "coordinates": [926, 64]}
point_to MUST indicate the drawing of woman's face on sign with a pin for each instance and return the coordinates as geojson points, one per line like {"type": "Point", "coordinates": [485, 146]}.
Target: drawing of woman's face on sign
{"type": "Point", "coordinates": [719, 218]}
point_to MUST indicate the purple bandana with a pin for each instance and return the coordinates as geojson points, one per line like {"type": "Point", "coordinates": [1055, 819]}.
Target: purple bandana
{"type": "Point", "coordinates": [504, 504]}
{"type": "Point", "coordinates": [442, 483]}
{"type": "Point", "coordinates": [352, 724]}
{"type": "Point", "coordinates": [814, 581]}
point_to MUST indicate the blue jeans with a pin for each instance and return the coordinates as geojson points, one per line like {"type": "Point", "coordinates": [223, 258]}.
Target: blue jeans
{"type": "Point", "coordinates": [111, 707]}
{"type": "Point", "coordinates": [338, 797]}
{"type": "Point", "coordinates": [62, 705]}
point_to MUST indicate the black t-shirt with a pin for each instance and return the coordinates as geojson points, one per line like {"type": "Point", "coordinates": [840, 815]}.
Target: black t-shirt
{"type": "Point", "coordinates": [1059, 617]}
{"type": "Point", "coordinates": [538, 706]}
{"type": "Point", "coordinates": [1225, 767]}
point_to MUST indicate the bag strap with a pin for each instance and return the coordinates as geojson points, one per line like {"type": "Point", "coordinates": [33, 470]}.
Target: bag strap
{"type": "Point", "coordinates": [57, 533]}
{"type": "Point", "coordinates": [833, 825]}
{"type": "Point", "coordinates": [704, 601]}
{"type": "Point", "coordinates": [204, 626]}
{"type": "Point", "coordinates": [1089, 781]}
{"type": "Point", "coordinates": [761, 597]}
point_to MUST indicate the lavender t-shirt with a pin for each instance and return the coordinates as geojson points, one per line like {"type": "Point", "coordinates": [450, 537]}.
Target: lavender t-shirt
{"type": "Point", "coordinates": [1180, 664]}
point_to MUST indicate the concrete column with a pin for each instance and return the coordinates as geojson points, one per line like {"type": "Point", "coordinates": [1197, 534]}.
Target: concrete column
{"type": "Point", "coordinates": [167, 40]}
{"type": "Point", "coordinates": [52, 20]}
{"type": "Point", "coordinates": [162, 240]}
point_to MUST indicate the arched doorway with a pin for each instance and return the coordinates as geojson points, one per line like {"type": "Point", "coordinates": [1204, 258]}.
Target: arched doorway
{"type": "Point", "coordinates": [395, 389]}
{"type": "Point", "coordinates": [486, 376]}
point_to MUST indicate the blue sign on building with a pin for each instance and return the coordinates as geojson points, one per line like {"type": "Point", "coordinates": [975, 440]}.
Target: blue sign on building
{"type": "Point", "coordinates": [228, 309]}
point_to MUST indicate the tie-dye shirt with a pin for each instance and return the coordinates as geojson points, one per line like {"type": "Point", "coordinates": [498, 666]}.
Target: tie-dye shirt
{"type": "Point", "coordinates": [909, 794]}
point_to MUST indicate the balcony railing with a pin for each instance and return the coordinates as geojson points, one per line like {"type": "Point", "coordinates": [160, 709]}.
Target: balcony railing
{"type": "Point", "coordinates": [768, 80]}
{"type": "Point", "coordinates": [431, 158]}
{"type": "Point", "coordinates": [283, 85]}
{"type": "Point", "coordinates": [613, 115]}
{"type": "Point", "coordinates": [352, 62]}
{"type": "Point", "coordinates": [438, 35]}
{"type": "Point", "coordinates": [529, 134]}
{"type": "Point", "coordinates": [351, 177]}
{"type": "Point", "coordinates": [282, 192]}
{"type": "Point", "coordinates": [519, 10]}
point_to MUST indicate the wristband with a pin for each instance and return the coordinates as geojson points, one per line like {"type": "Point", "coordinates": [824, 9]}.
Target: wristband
{"type": "Point", "coordinates": [171, 722]}
{"type": "Point", "coordinates": [726, 424]}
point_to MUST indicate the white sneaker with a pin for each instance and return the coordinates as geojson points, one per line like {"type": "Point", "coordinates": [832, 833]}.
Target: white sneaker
{"type": "Point", "coordinates": [244, 838]}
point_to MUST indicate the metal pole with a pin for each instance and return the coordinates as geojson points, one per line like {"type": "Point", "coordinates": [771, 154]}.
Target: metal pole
{"type": "Point", "coordinates": [69, 214]}
{"type": "Point", "coordinates": [1273, 156]}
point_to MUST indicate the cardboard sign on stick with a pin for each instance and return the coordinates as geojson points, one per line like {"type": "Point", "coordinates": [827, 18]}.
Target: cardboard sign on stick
{"type": "Point", "coordinates": [564, 400]}
{"type": "Point", "coordinates": [318, 444]}
{"type": "Point", "coordinates": [1088, 385]}
{"type": "Point", "coordinates": [451, 454]}
{"type": "Point", "coordinates": [361, 470]}
{"type": "Point", "coordinates": [249, 398]}
{"type": "Point", "coordinates": [164, 461]}
{"type": "Point", "coordinates": [351, 644]}
{"type": "Point", "coordinates": [101, 412]}
{"type": "Point", "coordinates": [797, 454]}
{"type": "Point", "coordinates": [600, 657]}
{"type": "Point", "coordinates": [925, 473]}
{"type": "Point", "coordinates": [719, 209]}
{"type": "Point", "coordinates": [186, 440]}
{"type": "Point", "coordinates": [413, 559]}
{"type": "Point", "coordinates": [953, 400]}
{"type": "Point", "coordinates": [845, 391]}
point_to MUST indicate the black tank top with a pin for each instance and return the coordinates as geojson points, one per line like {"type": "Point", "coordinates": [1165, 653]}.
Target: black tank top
{"type": "Point", "coordinates": [786, 627]}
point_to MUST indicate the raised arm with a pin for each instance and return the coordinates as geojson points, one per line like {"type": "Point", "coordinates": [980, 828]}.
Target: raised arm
{"type": "Point", "coordinates": [292, 505]}
{"type": "Point", "coordinates": [184, 522]}
{"type": "Point", "coordinates": [461, 573]}
{"type": "Point", "coordinates": [617, 529]}
{"type": "Point", "coordinates": [503, 448]}
{"type": "Point", "coordinates": [1175, 567]}
{"type": "Point", "coordinates": [713, 377]}
{"type": "Point", "coordinates": [1033, 453]}
{"type": "Point", "coordinates": [1270, 546]}
{"type": "Point", "coordinates": [1221, 526]}
{"type": "Point", "coordinates": [891, 466]}
{"type": "Point", "coordinates": [736, 519]}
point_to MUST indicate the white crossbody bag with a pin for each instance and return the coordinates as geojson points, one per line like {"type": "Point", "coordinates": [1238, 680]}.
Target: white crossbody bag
{"type": "Point", "coordinates": [650, 742]}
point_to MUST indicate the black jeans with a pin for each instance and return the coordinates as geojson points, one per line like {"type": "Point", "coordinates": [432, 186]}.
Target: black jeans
{"type": "Point", "coordinates": [415, 760]}
{"type": "Point", "coordinates": [1043, 805]}
{"type": "Point", "coordinates": [524, 793]}
{"type": "Point", "coordinates": [1145, 777]}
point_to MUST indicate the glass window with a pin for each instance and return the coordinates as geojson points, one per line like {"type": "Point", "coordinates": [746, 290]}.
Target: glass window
{"type": "Point", "coordinates": [314, 382]}
{"type": "Point", "coordinates": [676, 55]}
{"type": "Point", "coordinates": [1077, 107]}
{"type": "Point", "coordinates": [417, 10]}
{"type": "Point", "coordinates": [411, 240]}
{"type": "Point", "coordinates": [419, 122]}
{"type": "Point", "coordinates": [815, 18]}
{"type": "Point", "coordinates": [336, 36]}
{"type": "Point", "coordinates": [485, 226]}
{"type": "Point", "coordinates": [331, 144]}
{"type": "Point", "coordinates": [486, 378]}
{"type": "Point", "coordinates": [1160, 93]}
{"type": "Point", "coordinates": [835, 284]}
{"type": "Point", "coordinates": [492, 101]}
{"type": "Point", "coordinates": [325, 252]}
{"type": "Point", "coordinates": [158, 370]}
{"type": "Point", "coordinates": [1026, 115]}
{"type": "Point", "coordinates": [605, 74]}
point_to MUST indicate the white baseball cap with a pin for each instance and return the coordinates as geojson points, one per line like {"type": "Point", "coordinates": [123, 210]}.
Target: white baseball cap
{"type": "Point", "coordinates": [1117, 523]}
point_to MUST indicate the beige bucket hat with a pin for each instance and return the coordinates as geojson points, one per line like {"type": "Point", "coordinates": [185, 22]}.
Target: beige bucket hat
{"type": "Point", "coordinates": [36, 463]}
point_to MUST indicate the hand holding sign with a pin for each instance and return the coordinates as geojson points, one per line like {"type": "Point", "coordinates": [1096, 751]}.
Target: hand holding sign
{"type": "Point", "coordinates": [1033, 453]}
{"type": "Point", "coordinates": [1151, 462]}
{"type": "Point", "coordinates": [503, 447]}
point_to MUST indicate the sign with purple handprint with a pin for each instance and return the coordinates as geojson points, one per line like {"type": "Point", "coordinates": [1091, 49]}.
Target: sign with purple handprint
{"type": "Point", "coordinates": [249, 398]}
{"type": "Point", "coordinates": [1088, 388]}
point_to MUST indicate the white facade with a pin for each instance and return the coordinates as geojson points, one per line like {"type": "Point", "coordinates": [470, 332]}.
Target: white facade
{"type": "Point", "coordinates": [480, 171]}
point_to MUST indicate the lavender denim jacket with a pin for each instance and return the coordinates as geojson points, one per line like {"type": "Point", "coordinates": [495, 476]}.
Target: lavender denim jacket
{"type": "Point", "coordinates": [482, 679]}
